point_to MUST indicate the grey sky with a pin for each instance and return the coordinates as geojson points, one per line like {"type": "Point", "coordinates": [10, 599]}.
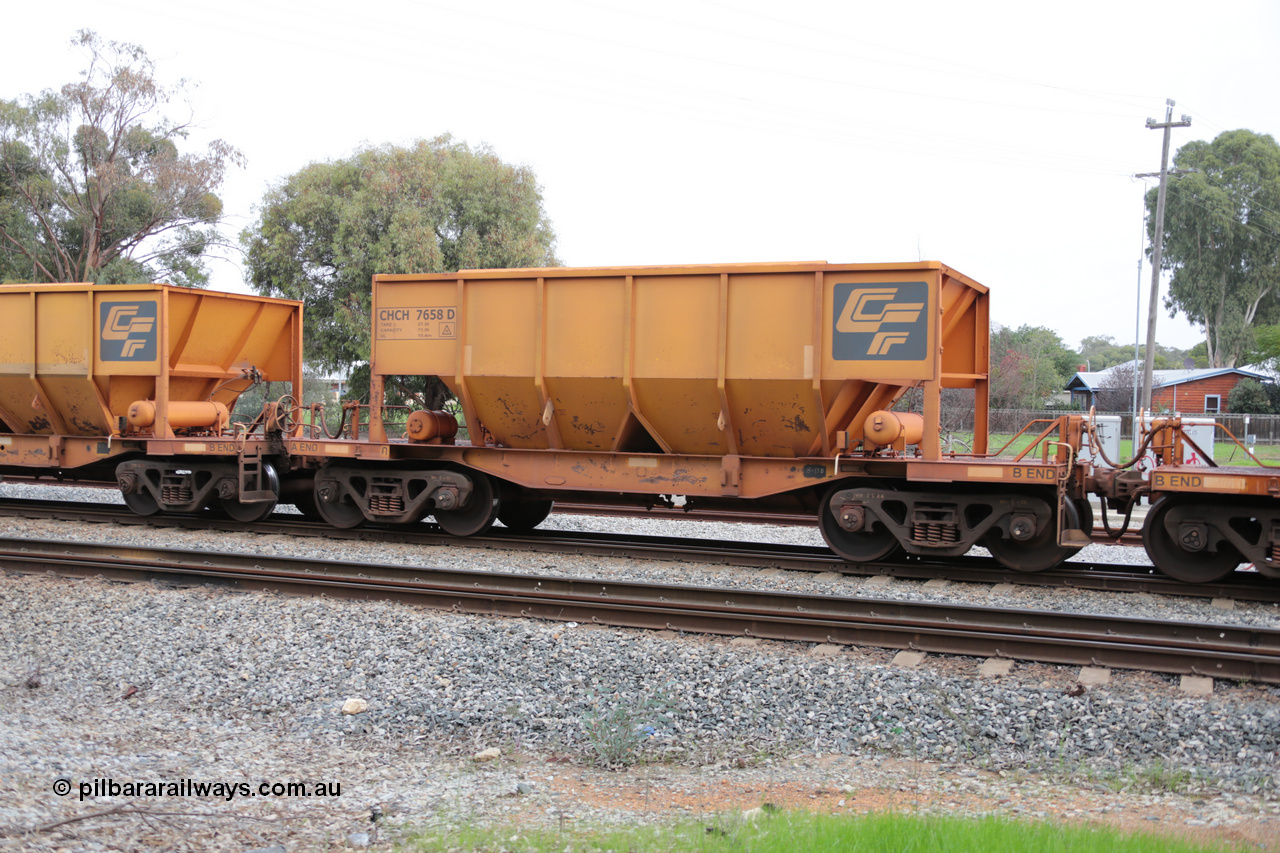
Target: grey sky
{"type": "Point", "coordinates": [999, 138]}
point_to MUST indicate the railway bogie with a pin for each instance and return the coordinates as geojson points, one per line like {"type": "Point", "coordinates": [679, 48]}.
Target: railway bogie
{"type": "Point", "coordinates": [1201, 541]}
{"type": "Point", "coordinates": [865, 522]}
{"type": "Point", "coordinates": [348, 495]}
{"type": "Point", "coordinates": [246, 493]}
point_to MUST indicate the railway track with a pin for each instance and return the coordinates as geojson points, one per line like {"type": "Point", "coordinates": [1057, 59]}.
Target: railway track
{"type": "Point", "coordinates": [1243, 586]}
{"type": "Point", "coordinates": [1133, 536]}
{"type": "Point", "coordinates": [1220, 651]}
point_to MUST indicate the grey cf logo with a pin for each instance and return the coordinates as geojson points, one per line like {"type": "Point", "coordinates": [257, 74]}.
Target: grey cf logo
{"type": "Point", "coordinates": [128, 331]}
{"type": "Point", "coordinates": [879, 322]}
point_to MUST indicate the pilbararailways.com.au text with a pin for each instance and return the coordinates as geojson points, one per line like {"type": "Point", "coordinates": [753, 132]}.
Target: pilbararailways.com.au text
{"type": "Point", "coordinates": [191, 788]}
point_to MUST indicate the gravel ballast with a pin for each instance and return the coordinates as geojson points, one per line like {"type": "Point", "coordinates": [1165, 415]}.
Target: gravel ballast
{"type": "Point", "coordinates": [137, 681]}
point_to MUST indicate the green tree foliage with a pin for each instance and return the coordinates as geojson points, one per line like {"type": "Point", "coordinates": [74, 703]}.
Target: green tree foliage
{"type": "Point", "coordinates": [438, 206]}
{"type": "Point", "coordinates": [1222, 239]}
{"type": "Point", "coordinates": [1099, 352]}
{"type": "Point", "coordinates": [1250, 397]}
{"type": "Point", "coordinates": [1200, 354]}
{"type": "Point", "coordinates": [1029, 365]}
{"type": "Point", "coordinates": [1266, 346]}
{"type": "Point", "coordinates": [93, 186]}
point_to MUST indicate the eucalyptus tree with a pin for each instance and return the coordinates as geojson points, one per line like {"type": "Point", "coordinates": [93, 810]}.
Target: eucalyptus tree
{"type": "Point", "coordinates": [94, 184]}
{"type": "Point", "coordinates": [1222, 239]}
{"type": "Point", "coordinates": [438, 205]}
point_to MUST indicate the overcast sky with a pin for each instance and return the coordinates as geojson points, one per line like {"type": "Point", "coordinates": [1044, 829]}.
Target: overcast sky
{"type": "Point", "coordinates": [998, 138]}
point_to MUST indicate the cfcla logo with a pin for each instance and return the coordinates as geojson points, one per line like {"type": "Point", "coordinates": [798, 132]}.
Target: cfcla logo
{"type": "Point", "coordinates": [880, 321]}
{"type": "Point", "coordinates": [128, 331]}
{"type": "Point", "coordinates": [868, 310]}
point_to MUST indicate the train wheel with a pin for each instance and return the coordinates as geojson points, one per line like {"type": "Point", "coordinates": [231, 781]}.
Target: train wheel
{"type": "Point", "coordinates": [480, 512]}
{"type": "Point", "coordinates": [306, 504]}
{"type": "Point", "coordinates": [522, 516]}
{"type": "Point", "coordinates": [300, 491]}
{"type": "Point", "coordinates": [141, 503]}
{"type": "Point", "coordinates": [1085, 510]}
{"type": "Point", "coordinates": [1038, 553]}
{"type": "Point", "coordinates": [1175, 561]}
{"type": "Point", "coordinates": [341, 513]}
{"type": "Point", "coordinates": [863, 546]}
{"type": "Point", "coordinates": [249, 513]}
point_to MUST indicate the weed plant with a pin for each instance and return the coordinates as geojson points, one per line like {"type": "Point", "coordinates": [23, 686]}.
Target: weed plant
{"type": "Point", "coordinates": [617, 726]}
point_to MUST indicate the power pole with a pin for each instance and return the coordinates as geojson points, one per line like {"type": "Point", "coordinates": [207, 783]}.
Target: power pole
{"type": "Point", "coordinates": [1158, 246]}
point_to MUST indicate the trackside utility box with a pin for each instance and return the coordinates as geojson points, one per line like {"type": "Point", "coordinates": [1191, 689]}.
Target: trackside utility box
{"type": "Point", "coordinates": [74, 358]}
{"type": "Point", "coordinates": [752, 359]}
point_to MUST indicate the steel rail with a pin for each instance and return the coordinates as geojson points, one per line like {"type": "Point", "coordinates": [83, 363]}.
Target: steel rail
{"type": "Point", "coordinates": [782, 519]}
{"type": "Point", "coordinates": [662, 513]}
{"type": "Point", "coordinates": [1243, 586]}
{"type": "Point", "coordinates": [656, 513]}
{"type": "Point", "coordinates": [1220, 651]}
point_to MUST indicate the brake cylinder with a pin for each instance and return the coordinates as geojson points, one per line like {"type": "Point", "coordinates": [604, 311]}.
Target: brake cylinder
{"type": "Point", "coordinates": [893, 428]}
{"type": "Point", "coordinates": [183, 414]}
{"type": "Point", "coordinates": [427, 425]}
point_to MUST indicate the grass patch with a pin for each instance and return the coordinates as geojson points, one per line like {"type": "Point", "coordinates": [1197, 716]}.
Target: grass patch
{"type": "Point", "coordinates": [1156, 778]}
{"type": "Point", "coordinates": [785, 832]}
